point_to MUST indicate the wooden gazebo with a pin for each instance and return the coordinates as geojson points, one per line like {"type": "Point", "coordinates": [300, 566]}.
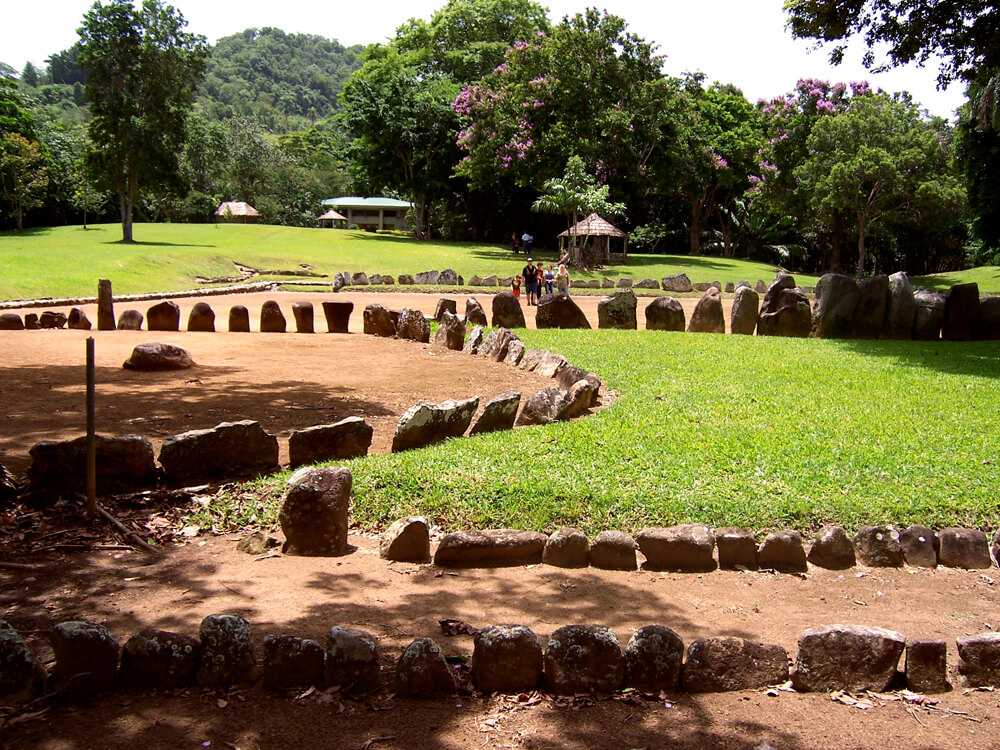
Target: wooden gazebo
{"type": "Point", "coordinates": [601, 230]}
{"type": "Point", "coordinates": [236, 211]}
{"type": "Point", "coordinates": [337, 221]}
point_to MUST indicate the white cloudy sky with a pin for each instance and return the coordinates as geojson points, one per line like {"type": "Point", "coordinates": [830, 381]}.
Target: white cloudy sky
{"type": "Point", "coordinates": [738, 41]}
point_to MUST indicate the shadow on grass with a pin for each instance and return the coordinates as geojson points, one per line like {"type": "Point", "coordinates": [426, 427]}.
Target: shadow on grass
{"type": "Point", "coordinates": [977, 358]}
{"type": "Point", "coordinates": [138, 243]}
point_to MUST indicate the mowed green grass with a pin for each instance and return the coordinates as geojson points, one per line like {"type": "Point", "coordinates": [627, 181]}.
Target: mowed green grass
{"type": "Point", "coordinates": [759, 432]}
{"type": "Point", "coordinates": [68, 261]}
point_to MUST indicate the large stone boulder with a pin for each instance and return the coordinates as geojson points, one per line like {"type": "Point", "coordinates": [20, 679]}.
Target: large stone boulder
{"type": "Point", "coordinates": [854, 658]}
{"type": "Point", "coordinates": [86, 658]}
{"type": "Point", "coordinates": [746, 307]}
{"type": "Point", "coordinates": [919, 545]}
{"type": "Point", "coordinates": [474, 313]}
{"type": "Point", "coordinates": [427, 277]}
{"type": "Point", "coordinates": [490, 548]}
{"type": "Point", "coordinates": [548, 405]}
{"type": "Point", "coordinates": [559, 311]}
{"type": "Point", "coordinates": [515, 350]}
{"type": "Point", "coordinates": [201, 318]}
{"type": "Point", "coordinates": [352, 661]}
{"type": "Point", "coordinates": [338, 316]}
{"type": "Point", "coordinates": [413, 326]}
{"type": "Point", "coordinates": [157, 356]}
{"type": "Point", "coordinates": [979, 659]}
{"type": "Point", "coordinates": [164, 316]}
{"type": "Point", "coordinates": [405, 279]}
{"type": "Point", "coordinates": [425, 424]}
{"type": "Point", "coordinates": [653, 660]}
{"type": "Point", "coordinates": [549, 363]}
{"type": "Point", "coordinates": [646, 284]}
{"type": "Point", "coordinates": [873, 304]}
{"type": "Point", "coordinates": [963, 548]}
{"type": "Point", "coordinates": [926, 666]}
{"type": "Point", "coordinates": [688, 548]}
{"type": "Point", "coordinates": [272, 320]}
{"type": "Point", "coordinates": [878, 547]}
{"type": "Point", "coordinates": [613, 550]}
{"type": "Point", "coordinates": [474, 341]}
{"type": "Point", "coordinates": [124, 464]}
{"type": "Point", "coordinates": [498, 414]}
{"type": "Point", "coordinates": [716, 665]}
{"type": "Point", "coordinates": [445, 304]}
{"type": "Point", "coordinates": [507, 312]}
{"type": "Point", "coordinates": [378, 321]}
{"type": "Point", "coordinates": [239, 319]}
{"type": "Point", "coordinates": [227, 658]}
{"type": "Point", "coordinates": [834, 305]}
{"type": "Point", "coordinates": [665, 314]}
{"type": "Point", "coordinates": [707, 316]}
{"type": "Point", "coordinates": [568, 548]}
{"type": "Point", "coordinates": [291, 662]}
{"type": "Point", "coordinates": [568, 375]}
{"type": "Point", "coordinates": [314, 513]}
{"type": "Point", "coordinates": [450, 332]}
{"type": "Point", "coordinates": [506, 659]}
{"type": "Point", "coordinates": [22, 674]}
{"type": "Point", "coordinates": [359, 278]}
{"type": "Point", "coordinates": [785, 310]}
{"type": "Point", "coordinates": [229, 449]}
{"type": "Point", "coordinates": [988, 320]}
{"type": "Point", "coordinates": [406, 540]}
{"type": "Point", "coordinates": [304, 315]}
{"type": "Point", "coordinates": [618, 311]}
{"type": "Point", "coordinates": [677, 283]}
{"type": "Point", "coordinates": [928, 315]}
{"type": "Point", "coordinates": [349, 438]}
{"type": "Point", "coordinates": [78, 320]}
{"type": "Point", "coordinates": [583, 658]}
{"type": "Point", "coordinates": [902, 307]}
{"type": "Point", "coordinates": [130, 320]}
{"type": "Point", "coordinates": [53, 319]}
{"type": "Point", "coordinates": [11, 322]}
{"type": "Point", "coordinates": [782, 551]}
{"type": "Point", "coordinates": [160, 660]}
{"type": "Point", "coordinates": [961, 310]}
{"type": "Point", "coordinates": [422, 671]}
{"type": "Point", "coordinates": [737, 548]}
{"type": "Point", "coordinates": [832, 549]}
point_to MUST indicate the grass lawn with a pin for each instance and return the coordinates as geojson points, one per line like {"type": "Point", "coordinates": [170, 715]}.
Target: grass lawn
{"type": "Point", "coordinates": [759, 432]}
{"type": "Point", "coordinates": [68, 261]}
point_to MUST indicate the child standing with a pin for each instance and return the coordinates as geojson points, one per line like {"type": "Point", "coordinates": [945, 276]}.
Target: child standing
{"type": "Point", "coordinates": [515, 286]}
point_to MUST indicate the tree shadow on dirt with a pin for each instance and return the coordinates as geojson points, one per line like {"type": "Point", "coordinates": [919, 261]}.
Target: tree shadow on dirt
{"type": "Point", "coordinates": [978, 358]}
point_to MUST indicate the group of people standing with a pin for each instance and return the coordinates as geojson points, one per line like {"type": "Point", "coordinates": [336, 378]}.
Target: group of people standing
{"type": "Point", "coordinates": [535, 278]}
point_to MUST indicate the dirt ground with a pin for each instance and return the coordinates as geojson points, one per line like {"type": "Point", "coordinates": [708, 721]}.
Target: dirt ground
{"type": "Point", "coordinates": [293, 381]}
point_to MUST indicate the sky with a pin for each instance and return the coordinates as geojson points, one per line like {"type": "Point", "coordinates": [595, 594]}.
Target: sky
{"type": "Point", "coordinates": [743, 42]}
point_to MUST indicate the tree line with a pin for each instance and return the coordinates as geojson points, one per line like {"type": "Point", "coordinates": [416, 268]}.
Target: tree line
{"type": "Point", "coordinates": [488, 109]}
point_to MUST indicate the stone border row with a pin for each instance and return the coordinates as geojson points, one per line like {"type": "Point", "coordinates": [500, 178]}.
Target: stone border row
{"type": "Point", "coordinates": [508, 659]}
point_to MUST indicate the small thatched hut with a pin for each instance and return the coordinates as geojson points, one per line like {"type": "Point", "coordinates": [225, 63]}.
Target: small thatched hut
{"type": "Point", "coordinates": [336, 221]}
{"type": "Point", "coordinates": [602, 232]}
{"type": "Point", "coordinates": [236, 212]}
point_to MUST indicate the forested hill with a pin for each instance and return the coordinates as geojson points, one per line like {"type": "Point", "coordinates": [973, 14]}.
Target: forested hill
{"type": "Point", "coordinates": [287, 81]}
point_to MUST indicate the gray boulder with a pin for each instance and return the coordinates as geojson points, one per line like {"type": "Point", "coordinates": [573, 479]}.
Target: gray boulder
{"type": "Point", "coordinates": [618, 311]}
{"type": "Point", "coordinates": [582, 659]}
{"type": "Point", "coordinates": [349, 438]}
{"type": "Point", "coordinates": [426, 424]}
{"type": "Point", "coordinates": [988, 320]}
{"type": "Point", "coordinates": [304, 320]}
{"type": "Point", "coordinates": [506, 659]}
{"type": "Point", "coordinates": [760, 287]}
{"type": "Point", "coordinates": [130, 320]}
{"type": "Point", "coordinates": [567, 375]}
{"type": "Point", "coordinates": [272, 320]}
{"type": "Point", "coordinates": [448, 277]}
{"type": "Point", "coordinates": [22, 674]}
{"type": "Point", "coordinates": [963, 548]}
{"type": "Point", "coordinates": [834, 305]}
{"type": "Point", "coordinates": [607, 283]}
{"type": "Point", "coordinates": [229, 449]}
{"type": "Point", "coordinates": [782, 551]}
{"type": "Point", "coordinates": [878, 547]}
{"type": "Point", "coordinates": [979, 659]}
{"type": "Point", "coordinates": [490, 548]}
{"type": "Point", "coordinates": [549, 364]}
{"type": "Point", "coordinates": [160, 660]}
{"type": "Point", "coordinates": [737, 548]}
{"type": "Point", "coordinates": [531, 359]}
{"type": "Point", "coordinates": [445, 304]}
{"type": "Point", "coordinates": [227, 658]}
{"type": "Point", "coordinates": [359, 278]}
{"type": "Point", "coordinates": [405, 279]}
{"type": "Point", "coordinates": [378, 321]}
{"type": "Point", "coordinates": [559, 311]}
{"type": "Point", "coordinates": [647, 284]}
{"type": "Point", "coordinates": [665, 314]}
{"type": "Point", "coordinates": [688, 548]}
{"type": "Point", "coordinates": [785, 310]}
{"type": "Point", "coordinates": [716, 665]}
{"type": "Point", "coordinates": [928, 315]}
{"type": "Point", "coordinates": [239, 319]}
{"type": "Point", "coordinates": [507, 312]}
{"type": "Point", "coordinates": [352, 661]}
{"type": "Point", "coordinates": [422, 671]}
{"type": "Point", "coordinates": [314, 513]}
{"type": "Point", "coordinates": [873, 304]}
{"type": "Point", "coordinates": [427, 277]}
{"type": "Point", "coordinates": [406, 540]}
{"type": "Point", "coordinates": [832, 549]}
{"type": "Point", "coordinates": [854, 658]}
{"type": "Point", "coordinates": [78, 320]}
{"type": "Point", "coordinates": [450, 332]}
{"type": "Point", "coordinates": [86, 658]}
{"type": "Point", "coordinates": [624, 282]}
{"type": "Point", "coordinates": [291, 662]}
{"type": "Point", "coordinates": [547, 406]}
{"type": "Point", "coordinates": [902, 307]}
{"type": "Point", "coordinates": [154, 357]}
{"type": "Point", "coordinates": [919, 545]}
{"type": "Point", "coordinates": [515, 350]}
{"type": "Point", "coordinates": [474, 341]}
{"type": "Point", "coordinates": [613, 550]}
{"type": "Point", "coordinates": [340, 280]}
{"type": "Point", "coordinates": [499, 413]}
{"type": "Point", "coordinates": [201, 318]}
{"type": "Point", "coordinates": [653, 659]}
{"type": "Point", "coordinates": [124, 464]}
{"type": "Point", "coordinates": [677, 283]}
{"type": "Point", "coordinates": [413, 326]}
{"type": "Point", "coordinates": [743, 318]}
{"type": "Point", "coordinates": [338, 316]}
{"type": "Point", "coordinates": [961, 310]}
{"type": "Point", "coordinates": [568, 548]}
{"type": "Point", "coordinates": [474, 312]}
{"type": "Point", "coordinates": [490, 280]}
{"type": "Point", "coordinates": [707, 316]}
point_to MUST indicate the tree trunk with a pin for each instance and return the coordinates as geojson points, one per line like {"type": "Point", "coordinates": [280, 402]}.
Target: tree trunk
{"type": "Point", "coordinates": [835, 245]}
{"type": "Point", "coordinates": [694, 232]}
{"type": "Point", "coordinates": [861, 249]}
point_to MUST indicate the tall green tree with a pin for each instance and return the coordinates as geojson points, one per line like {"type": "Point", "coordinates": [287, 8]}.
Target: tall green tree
{"type": "Point", "coordinates": [23, 174]}
{"type": "Point", "coordinates": [142, 72]}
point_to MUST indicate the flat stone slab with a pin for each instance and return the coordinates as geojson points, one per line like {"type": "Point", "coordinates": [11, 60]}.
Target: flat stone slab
{"type": "Point", "coordinates": [927, 666]}
{"type": "Point", "coordinates": [737, 548]}
{"type": "Point", "coordinates": [716, 665]}
{"type": "Point", "coordinates": [227, 657]}
{"type": "Point", "coordinates": [348, 438]}
{"type": "Point", "coordinates": [979, 659]}
{"type": "Point", "coordinates": [124, 463]}
{"type": "Point", "coordinates": [22, 674]}
{"type": "Point", "coordinates": [854, 658]}
{"type": "Point", "coordinates": [963, 548]}
{"type": "Point", "coordinates": [499, 413]}
{"type": "Point", "coordinates": [689, 548]}
{"type": "Point", "coordinates": [878, 547]}
{"type": "Point", "coordinates": [426, 424]}
{"type": "Point", "coordinates": [783, 551]}
{"type": "Point", "coordinates": [832, 549]}
{"type": "Point", "coordinates": [490, 548]}
{"type": "Point", "coordinates": [227, 450]}
{"type": "Point", "coordinates": [314, 514]}
{"type": "Point", "coordinates": [548, 405]}
{"type": "Point", "coordinates": [86, 658]}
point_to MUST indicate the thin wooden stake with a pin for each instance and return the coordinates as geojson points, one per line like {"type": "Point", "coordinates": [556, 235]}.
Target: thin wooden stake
{"type": "Point", "coordinates": [91, 433]}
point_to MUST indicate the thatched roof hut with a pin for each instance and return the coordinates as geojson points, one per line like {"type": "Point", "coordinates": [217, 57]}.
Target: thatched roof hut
{"type": "Point", "coordinates": [236, 212]}
{"type": "Point", "coordinates": [601, 230]}
{"type": "Point", "coordinates": [337, 221]}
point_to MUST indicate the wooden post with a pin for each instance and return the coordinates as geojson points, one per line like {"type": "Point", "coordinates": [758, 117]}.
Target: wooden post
{"type": "Point", "coordinates": [91, 433]}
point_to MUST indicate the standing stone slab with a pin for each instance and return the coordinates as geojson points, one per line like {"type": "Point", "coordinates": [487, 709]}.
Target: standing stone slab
{"type": "Point", "coordinates": [86, 658]}
{"type": "Point", "coordinates": [854, 658]}
{"type": "Point", "coordinates": [314, 514]}
{"type": "Point", "coordinates": [559, 311]}
{"type": "Point", "coordinates": [227, 656]}
{"type": "Point", "coordinates": [878, 547]}
{"type": "Point", "coordinates": [902, 307]}
{"type": "Point", "coordinates": [496, 344]}
{"type": "Point", "coordinates": [928, 317]}
{"type": "Point", "coordinates": [963, 548]}
{"type": "Point", "coordinates": [130, 320]}
{"type": "Point", "coordinates": [785, 310]}
{"type": "Point", "coordinates": [422, 672]}
{"type": "Point", "coordinates": [445, 304]}
{"type": "Point", "coordinates": [567, 548]}
{"type": "Point", "coordinates": [873, 303]}
{"type": "Point", "coordinates": [413, 326]}
{"type": "Point", "coordinates": [22, 674]}
{"type": "Point", "coordinates": [716, 665]}
{"type": "Point", "coordinates": [498, 414]}
{"type": "Point", "coordinates": [349, 438]}
{"type": "Point", "coordinates": [450, 332]}
{"type": "Point", "coordinates": [352, 661]}
{"type": "Point", "coordinates": [78, 320]}
{"type": "Point", "coordinates": [618, 311]}
{"type": "Point", "coordinates": [926, 666]}
{"type": "Point", "coordinates": [507, 312]}
{"type": "Point", "coordinates": [426, 424]}
{"type": "Point", "coordinates": [506, 659]}
{"type": "Point", "coordinates": [474, 312]}
{"type": "Point", "coordinates": [613, 550]}
{"type": "Point", "coordinates": [547, 406]}
{"type": "Point", "coordinates": [746, 307]}
{"type": "Point", "coordinates": [988, 320]}
{"type": "Point", "coordinates": [105, 306]}
{"type": "Point", "coordinates": [292, 662]}
{"type": "Point", "coordinates": [156, 356]}
{"type": "Point", "coordinates": [515, 351]}
{"type": "Point", "coordinates": [687, 548]}
{"type": "Point", "coordinates": [582, 396]}
{"type": "Point", "coordinates": [531, 359]}
{"type": "Point", "coordinates": [653, 660]}
{"type": "Point", "coordinates": [227, 450]}
{"type": "Point", "coordinates": [474, 341]}
{"type": "Point", "coordinates": [164, 316]}
{"type": "Point", "coordinates": [583, 658]}
{"type": "Point", "coordinates": [124, 463]}
{"type": "Point", "coordinates": [737, 548]}
{"type": "Point", "coordinates": [666, 314]}
{"type": "Point", "coordinates": [549, 364]}
{"type": "Point", "coordinates": [919, 545]}
{"type": "Point", "coordinates": [979, 659]}
{"type": "Point", "coordinates": [490, 548]}
{"type": "Point", "coordinates": [338, 316]}
{"type": "Point", "coordinates": [304, 317]}
{"type": "Point", "coordinates": [961, 310]}
{"type": "Point", "coordinates": [157, 659]}
{"type": "Point", "coordinates": [782, 551]}
{"type": "Point", "coordinates": [406, 540]}
{"type": "Point", "coordinates": [567, 376]}
{"type": "Point", "coordinates": [201, 318]}
{"type": "Point", "coordinates": [272, 320]}
{"type": "Point", "coordinates": [30, 322]}
{"type": "Point", "coordinates": [832, 549]}
{"type": "Point", "coordinates": [834, 305]}
{"type": "Point", "coordinates": [239, 319]}
{"type": "Point", "coordinates": [707, 316]}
